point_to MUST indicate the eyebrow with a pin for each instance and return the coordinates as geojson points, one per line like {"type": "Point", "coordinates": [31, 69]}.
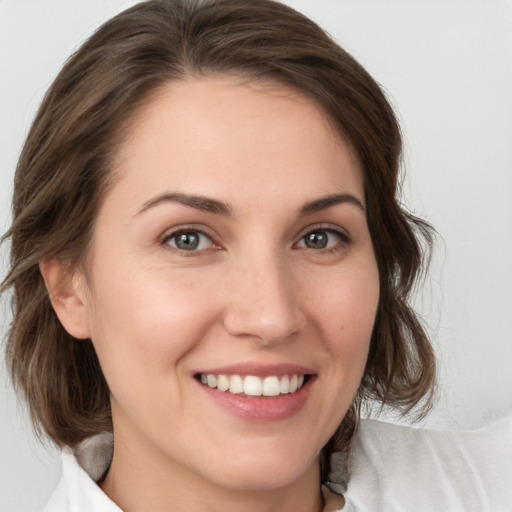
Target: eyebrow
{"type": "Point", "coordinates": [328, 201]}
{"type": "Point", "coordinates": [202, 203]}
{"type": "Point", "coordinates": [220, 208]}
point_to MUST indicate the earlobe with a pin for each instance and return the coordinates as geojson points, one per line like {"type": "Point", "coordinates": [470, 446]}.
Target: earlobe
{"type": "Point", "coordinates": [66, 290]}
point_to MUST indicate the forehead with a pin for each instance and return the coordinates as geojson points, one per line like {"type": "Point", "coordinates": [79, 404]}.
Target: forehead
{"type": "Point", "coordinates": [224, 137]}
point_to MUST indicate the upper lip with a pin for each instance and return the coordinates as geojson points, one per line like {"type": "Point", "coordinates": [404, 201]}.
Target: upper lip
{"type": "Point", "coordinates": [259, 370]}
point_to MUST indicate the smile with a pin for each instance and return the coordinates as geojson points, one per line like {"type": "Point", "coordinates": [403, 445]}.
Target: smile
{"type": "Point", "coordinates": [252, 385]}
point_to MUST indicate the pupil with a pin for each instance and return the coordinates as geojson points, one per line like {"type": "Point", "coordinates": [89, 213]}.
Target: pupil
{"type": "Point", "coordinates": [187, 241]}
{"type": "Point", "coordinates": [316, 240]}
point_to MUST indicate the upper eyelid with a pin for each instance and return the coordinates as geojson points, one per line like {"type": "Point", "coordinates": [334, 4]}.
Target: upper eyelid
{"type": "Point", "coordinates": [165, 239]}
{"type": "Point", "coordinates": [343, 239]}
{"type": "Point", "coordinates": [169, 233]}
{"type": "Point", "coordinates": [172, 232]}
{"type": "Point", "coordinates": [324, 227]}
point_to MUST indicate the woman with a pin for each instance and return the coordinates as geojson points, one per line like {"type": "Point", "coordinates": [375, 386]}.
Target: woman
{"type": "Point", "coordinates": [171, 286]}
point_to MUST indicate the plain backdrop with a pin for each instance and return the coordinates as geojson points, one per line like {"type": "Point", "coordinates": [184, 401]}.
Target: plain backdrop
{"type": "Point", "coordinates": [446, 66]}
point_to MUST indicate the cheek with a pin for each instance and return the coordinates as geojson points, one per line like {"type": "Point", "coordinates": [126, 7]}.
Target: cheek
{"type": "Point", "coordinates": [149, 320]}
{"type": "Point", "coordinates": [346, 317]}
{"type": "Point", "coordinates": [349, 308]}
{"type": "Point", "coordinates": [143, 329]}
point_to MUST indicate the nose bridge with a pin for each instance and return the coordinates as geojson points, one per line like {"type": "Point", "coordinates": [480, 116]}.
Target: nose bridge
{"type": "Point", "coordinates": [263, 304]}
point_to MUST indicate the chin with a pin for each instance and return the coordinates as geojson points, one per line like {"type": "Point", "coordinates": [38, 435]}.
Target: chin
{"type": "Point", "coordinates": [260, 479]}
{"type": "Point", "coordinates": [262, 469]}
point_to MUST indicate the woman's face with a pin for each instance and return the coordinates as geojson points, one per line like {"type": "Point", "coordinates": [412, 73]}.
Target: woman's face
{"type": "Point", "coordinates": [231, 258]}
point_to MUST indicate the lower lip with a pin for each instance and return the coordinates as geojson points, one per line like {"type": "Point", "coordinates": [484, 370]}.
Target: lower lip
{"type": "Point", "coordinates": [260, 408]}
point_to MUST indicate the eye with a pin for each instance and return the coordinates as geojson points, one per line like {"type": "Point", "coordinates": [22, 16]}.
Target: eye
{"type": "Point", "coordinates": [189, 241]}
{"type": "Point", "coordinates": [322, 239]}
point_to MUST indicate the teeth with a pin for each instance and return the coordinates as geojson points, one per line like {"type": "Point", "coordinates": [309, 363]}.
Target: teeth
{"type": "Point", "coordinates": [252, 385]}
{"type": "Point", "coordinates": [293, 383]}
{"type": "Point", "coordinates": [222, 383]}
{"type": "Point", "coordinates": [236, 384]}
{"type": "Point", "coordinates": [211, 381]}
{"type": "Point", "coordinates": [284, 385]}
{"type": "Point", "coordinates": [271, 386]}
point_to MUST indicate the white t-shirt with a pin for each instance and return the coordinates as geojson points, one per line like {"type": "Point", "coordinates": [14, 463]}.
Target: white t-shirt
{"type": "Point", "coordinates": [392, 468]}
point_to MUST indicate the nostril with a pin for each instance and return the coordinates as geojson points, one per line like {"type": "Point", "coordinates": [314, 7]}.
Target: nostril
{"type": "Point", "coordinates": [262, 307]}
{"type": "Point", "coordinates": [269, 328]}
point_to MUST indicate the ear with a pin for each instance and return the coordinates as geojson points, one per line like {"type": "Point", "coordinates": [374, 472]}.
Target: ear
{"type": "Point", "coordinates": [66, 288]}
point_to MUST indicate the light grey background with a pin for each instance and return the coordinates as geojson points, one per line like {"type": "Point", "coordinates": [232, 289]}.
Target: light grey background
{"type": "Point", "coordinates": [447, 67]}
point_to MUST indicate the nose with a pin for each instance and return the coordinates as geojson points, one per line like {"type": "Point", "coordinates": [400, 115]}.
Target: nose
{"type": "Point", "coordinates": [261, 303]}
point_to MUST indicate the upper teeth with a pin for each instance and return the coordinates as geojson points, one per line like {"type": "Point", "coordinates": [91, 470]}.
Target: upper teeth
{"type": "Point", "coordinates": [252, 385]}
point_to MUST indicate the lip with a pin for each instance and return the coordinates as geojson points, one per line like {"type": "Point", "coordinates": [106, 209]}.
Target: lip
{"type": "Point", "coordinates": [259, 370]}
{"type": "Point", "coordinates": [260, 408]}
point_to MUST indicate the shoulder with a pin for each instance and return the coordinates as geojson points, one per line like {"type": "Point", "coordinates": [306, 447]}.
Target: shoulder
{"type": "Point", "coordinates": [77, 490]}
{"type": "Point", "coordinates": [400, 468]}
{"type": "Point", "coordinates": [59, 499]}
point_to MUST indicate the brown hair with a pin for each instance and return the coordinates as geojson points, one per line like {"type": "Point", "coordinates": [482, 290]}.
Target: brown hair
{"type": "Point", "coordinates": [64, 171]}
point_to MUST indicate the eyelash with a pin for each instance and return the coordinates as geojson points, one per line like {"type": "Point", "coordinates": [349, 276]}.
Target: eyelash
{"type": "Point", "coordinates": [343, 236]}
{"type": "Point", "coordinates": [182, 231]}
{"type": "Point", "coordinates": [344, 239]}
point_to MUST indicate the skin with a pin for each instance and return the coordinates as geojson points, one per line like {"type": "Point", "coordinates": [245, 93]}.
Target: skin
{"type": "Point", "coordinates": [252, 292]}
